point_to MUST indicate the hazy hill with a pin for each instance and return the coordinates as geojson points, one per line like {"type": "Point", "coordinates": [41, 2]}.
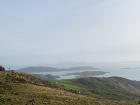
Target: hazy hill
{"type": "Point", "coordinates": [47, 69]}
{"type": "Point", "coordinates": [23, 89]}
{"type": "Point", "coordinates": [82, 68]}
{"type": "Point", "coordinates": [37, 69]}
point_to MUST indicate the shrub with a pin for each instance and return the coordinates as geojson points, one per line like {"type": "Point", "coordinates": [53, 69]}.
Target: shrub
{"type": "Point", "coordinates": [2, 68]}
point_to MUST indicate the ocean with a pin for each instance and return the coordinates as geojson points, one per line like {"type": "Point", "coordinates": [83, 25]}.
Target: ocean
{"type": "Point", "coordinates": [127, 70]}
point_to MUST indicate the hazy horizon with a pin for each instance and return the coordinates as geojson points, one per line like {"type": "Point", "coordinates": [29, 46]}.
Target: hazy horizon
{"type": "Point", "coordinates": [52, 31]}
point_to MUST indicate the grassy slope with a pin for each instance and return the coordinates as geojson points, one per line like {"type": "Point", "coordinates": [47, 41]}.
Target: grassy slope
{"type": "Point", "coordinates": [21, 89]}
{"type": "Point", "coordinates": [111, 88]}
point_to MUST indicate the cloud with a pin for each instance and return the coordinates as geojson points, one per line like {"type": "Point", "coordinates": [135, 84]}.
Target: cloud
{"type": "Point", "coordinates": [101, 31]}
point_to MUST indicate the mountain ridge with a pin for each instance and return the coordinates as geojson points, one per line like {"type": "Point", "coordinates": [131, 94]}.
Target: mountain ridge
{"type": "Point", "coordinates": [48, 69]}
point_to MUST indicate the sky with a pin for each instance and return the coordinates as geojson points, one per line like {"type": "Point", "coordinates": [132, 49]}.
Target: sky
{"type": "Point", "coordinates": [50, 31]}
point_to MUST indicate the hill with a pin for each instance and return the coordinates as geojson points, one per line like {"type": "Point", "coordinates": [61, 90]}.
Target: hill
{"type": "Point", "coordinates": [48, 69]}
{"type": "Point", "coordinates": [37, 69]}
{"type": "Point", "coordinates": [112, 88]}
{"type": "Point", "coordinates": [82, 68]}
{"type": "Point", "coordinates": [23, 89]}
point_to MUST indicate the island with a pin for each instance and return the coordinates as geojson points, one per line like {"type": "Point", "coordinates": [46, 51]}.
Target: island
{"type": "Point", "coordinates": [87, 73]}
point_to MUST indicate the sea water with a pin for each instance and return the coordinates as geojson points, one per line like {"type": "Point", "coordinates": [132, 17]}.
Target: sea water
{"type": "Point", "coordinates": [129, 71]}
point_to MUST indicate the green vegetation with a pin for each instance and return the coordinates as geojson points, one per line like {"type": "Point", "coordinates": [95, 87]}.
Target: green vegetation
{"type": "Point", "coordinates": [74, 87]}
{"type": "Point", "coordinates": [114, 88]}
{"type": "Point", "coordinates": [69, 85]}
{"type": "Point", "coordinates": [2, 68]}
{"type": "Point", "coordinates": [23, 89]}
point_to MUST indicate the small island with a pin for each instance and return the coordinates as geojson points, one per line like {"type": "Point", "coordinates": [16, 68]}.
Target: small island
{"type": "Point", "coordinates": [47, 76]}
{"type": "Point", "coordinates": [87, 73]}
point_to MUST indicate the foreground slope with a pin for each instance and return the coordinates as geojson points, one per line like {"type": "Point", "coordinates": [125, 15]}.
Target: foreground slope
{"type": "Point", "coordinates": [22, 89]}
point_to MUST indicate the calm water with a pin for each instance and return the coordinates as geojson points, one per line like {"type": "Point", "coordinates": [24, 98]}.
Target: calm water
{"type": "Point", "coordinates": [133, 74]}
{"type": "Point", "coordinates": [130, 72]}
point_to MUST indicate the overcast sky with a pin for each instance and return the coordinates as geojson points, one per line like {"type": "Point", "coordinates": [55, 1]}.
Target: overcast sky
{"type": "Point", "coordinates": [50, 31]}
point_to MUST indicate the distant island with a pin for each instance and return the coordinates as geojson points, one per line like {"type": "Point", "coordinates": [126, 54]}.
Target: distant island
{"type": "Point", "coordinates": [36, 69]}
{"type": "Point", "coordinates": [130, 68]}
{"type": "Point", "coordinates": [87, 73]}
{"type": "Point", "coordinates": [47, 76]}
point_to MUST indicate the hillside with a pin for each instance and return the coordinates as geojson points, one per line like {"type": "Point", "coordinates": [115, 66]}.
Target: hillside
{"type": "Point", "coordinates": [112, 88]}
{"type": "Point", "coordinates": [23, 89]}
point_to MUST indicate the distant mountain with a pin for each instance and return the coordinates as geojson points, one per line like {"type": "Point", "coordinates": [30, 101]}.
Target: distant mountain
{"type": "Point", "coordinates": [69, 64]}
{"type": "Point", "coordinates": [47, 69]}
{"type": "Point", "coordinates": [37, 69]}
{"type": "Point", "coordinates": [82, 68]}
{"type": "Point", "coordinates": [85, 74]}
